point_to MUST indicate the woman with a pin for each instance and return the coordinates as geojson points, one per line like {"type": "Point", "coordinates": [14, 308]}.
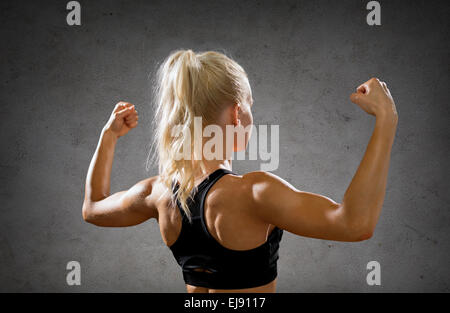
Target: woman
{"type": "Point", "coordinates": [224, 229]}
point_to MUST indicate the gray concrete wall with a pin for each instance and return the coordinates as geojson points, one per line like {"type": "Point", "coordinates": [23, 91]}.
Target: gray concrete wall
{"type": "Point", "coordinates": [304, 58]}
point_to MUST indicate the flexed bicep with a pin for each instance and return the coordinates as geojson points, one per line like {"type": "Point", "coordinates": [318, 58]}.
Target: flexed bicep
{"type": "Point", "coordinates": [302, 213]}
{"type": "Point", "coordinates": [124, 208]}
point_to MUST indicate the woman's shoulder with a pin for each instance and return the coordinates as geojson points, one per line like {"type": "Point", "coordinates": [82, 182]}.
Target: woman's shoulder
{"type": "Point", "coordinates": [265, 189]}
{"type": "Point", "coordinates": [263, 179]}
{"type": "Point", "coordinates": [150, 188]}
{"type": "Point", "coordinates": [260, 184]}
{"type": "Point", "coordinates": [147, 184]}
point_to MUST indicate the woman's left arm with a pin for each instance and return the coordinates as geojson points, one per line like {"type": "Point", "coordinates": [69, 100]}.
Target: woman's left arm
{"type": "Point", "coordinates": [124, 208]}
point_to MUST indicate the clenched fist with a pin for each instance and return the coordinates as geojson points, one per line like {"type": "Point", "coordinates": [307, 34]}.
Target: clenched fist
{"type": "Point", "coordinates": [123, 118]}
{"type": "Point", "coordinates": [375, 98]}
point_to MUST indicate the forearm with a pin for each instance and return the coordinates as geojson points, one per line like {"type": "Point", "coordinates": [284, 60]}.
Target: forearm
{"type": "Point", "coordinates": [364, 197]}
{"type": "Point", "coordinates": [99, 173]}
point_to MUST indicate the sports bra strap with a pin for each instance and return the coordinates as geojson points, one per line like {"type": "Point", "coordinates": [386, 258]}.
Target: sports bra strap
{"type": "Point", "coordinates": [200, 191]}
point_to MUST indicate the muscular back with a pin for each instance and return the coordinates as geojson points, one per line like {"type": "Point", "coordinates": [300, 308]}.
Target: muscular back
{"type": "Point", "coordinates": [229, 215]}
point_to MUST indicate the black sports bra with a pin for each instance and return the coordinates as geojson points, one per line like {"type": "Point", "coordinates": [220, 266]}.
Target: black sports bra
{"type": "Point", "coordinates": [223, 268]}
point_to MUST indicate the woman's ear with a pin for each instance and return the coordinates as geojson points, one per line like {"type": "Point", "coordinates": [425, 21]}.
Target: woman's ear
{"type": "Point", "coordinates": [235, 114]}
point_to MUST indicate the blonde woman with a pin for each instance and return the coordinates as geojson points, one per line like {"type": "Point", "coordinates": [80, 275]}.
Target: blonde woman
{"type": "Point", "coordinates": [224, 229]}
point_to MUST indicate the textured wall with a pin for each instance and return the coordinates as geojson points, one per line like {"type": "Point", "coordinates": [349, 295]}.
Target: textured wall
{"type": "Point", "coordinates": [304, 58]}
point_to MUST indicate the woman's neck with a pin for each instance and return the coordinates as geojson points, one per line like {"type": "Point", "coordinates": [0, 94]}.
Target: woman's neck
{"type": "Point", "coordinates": [209, 167]}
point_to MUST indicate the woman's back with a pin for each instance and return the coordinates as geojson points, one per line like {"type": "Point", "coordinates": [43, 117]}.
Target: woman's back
{"type": "Point", "coordinates": [228, 215]}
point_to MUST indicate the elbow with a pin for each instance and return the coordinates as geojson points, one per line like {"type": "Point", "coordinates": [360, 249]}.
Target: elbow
{"type": "Point", "coordinates": [86, 214]}
{"type": "Point", "coordinates": [363, 232]}
{"type": "Point", "coordinates": [358, 227]}
{"type": "Point", "coordinates": [362, 236]}
{"type": "Point", "coordinates": [360, 231]}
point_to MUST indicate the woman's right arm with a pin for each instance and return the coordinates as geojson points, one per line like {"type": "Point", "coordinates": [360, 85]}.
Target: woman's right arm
{"type": "Point", "coordinates": [124, 208]}
{"type": "Point", "coordinates": [312, 215]}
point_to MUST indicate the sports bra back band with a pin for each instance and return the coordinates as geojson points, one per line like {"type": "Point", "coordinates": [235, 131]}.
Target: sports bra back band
{"type": "Point", "coordinates": [222, 268]}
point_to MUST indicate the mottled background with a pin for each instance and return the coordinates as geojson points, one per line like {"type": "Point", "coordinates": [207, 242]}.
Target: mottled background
{"type": "Point", "coordinates": [304, 58]}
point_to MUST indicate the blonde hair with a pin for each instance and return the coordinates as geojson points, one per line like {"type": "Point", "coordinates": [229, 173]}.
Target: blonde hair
{"type": "Point", "coordinates": [188, 85]}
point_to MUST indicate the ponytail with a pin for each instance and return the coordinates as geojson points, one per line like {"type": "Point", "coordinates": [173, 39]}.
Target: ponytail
{"type": "Point", "coordinates": [190, 85]}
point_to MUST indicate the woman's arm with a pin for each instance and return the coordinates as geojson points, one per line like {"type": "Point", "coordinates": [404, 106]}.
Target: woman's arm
{"type": "Point", "coordinates": [124, 208]}
{"type": "Point", "coordinates": [313, 215]}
